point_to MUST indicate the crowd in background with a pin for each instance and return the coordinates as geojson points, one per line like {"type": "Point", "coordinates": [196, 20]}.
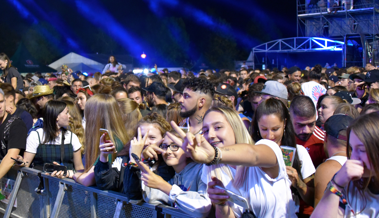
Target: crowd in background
{"type": "Point", "coordinates": [197, 140]}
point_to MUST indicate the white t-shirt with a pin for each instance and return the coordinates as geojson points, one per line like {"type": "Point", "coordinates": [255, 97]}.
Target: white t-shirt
{"type": "Point", "coordinates": [268, 197]}
{"type": "Point", "coordinates": [313, 90]}
{"type": "Point", "coordinates": [32, 142]}
{"type": "Point", "coordinates": [368, 207]}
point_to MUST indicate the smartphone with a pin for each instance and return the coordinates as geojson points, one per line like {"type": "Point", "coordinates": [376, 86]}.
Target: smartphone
{"type": "Point", "coordinates": [234, 198]}
{"type": "Point", "coordinates": [102, 131]}
{"type": "Point", "coordinates": [49, 168]}
{"type": "Point", "coordinates": [17, 161]}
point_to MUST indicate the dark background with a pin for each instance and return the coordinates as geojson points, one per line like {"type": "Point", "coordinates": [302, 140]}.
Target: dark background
{"type": "Point", "coordinates": [170, 32]}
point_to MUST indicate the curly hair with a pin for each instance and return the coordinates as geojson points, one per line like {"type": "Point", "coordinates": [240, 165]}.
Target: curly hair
{"type": "Point", "coordinates": [158, 120]}
{"type": "Point", "coordinates": [27, 105]}
{"type": "Point", "coordinates": [200, 84]}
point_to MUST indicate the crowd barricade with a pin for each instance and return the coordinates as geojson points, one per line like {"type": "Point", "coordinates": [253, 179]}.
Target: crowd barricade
{"type": "Point", "coordinates": [36, 194]}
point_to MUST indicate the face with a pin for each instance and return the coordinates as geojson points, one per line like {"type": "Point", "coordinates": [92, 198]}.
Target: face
{"type": "Point", "coordinates": [81, 100]}
{"type": "Point", "coordinates": [2, 106]}
{"type": "Point", "coordinates": [255, 102]}
{"type": "Point", "coordinates": [303, 126]}
{"type": "Point", "coordinates": [64, 76]}
{"type": "Point", "coordinates": [173, 158]}
{"type": "Point", "coordinates": [344, 82]}
{"type": "Point", "coordinates": [52, 84]}
{"type": "Point", "coordinates": [76, 86]}
{"type": "Point", "coordinates": [40, 101]}
{"type": "Point", "coordinates": [326, 110]}
{"type": "Point", "coordinates": [130, 84]}
{"type": "Point", "coordinates": [120, 95]}
{"type": "Point", "coordinates": [295, 77]}
{"type": "Point", "coordinates": [3, 64]}
{"type": "Point", "coordinates": [217, 130]}
{"type": "Point", "coordinates": [374, 85]}
{"type": "Point", "coordinates": [63, 118]}
{"type": "Point", "coordinates": [271, 128]}
{"type": "Point", "coordinates": [9, 104]}
{"type": "Point", "coordinates": [331, 92]}
{"type": "Point", "coordinates": [111, 59]}
{"type": "Point", "coordinates": [154, 133]}
{"type": "Point", "coordinates": [188, 103]}
{"type": "Point", "coordinates": [136, 96]}
{"type": "Point", "coordinates": [244, 74]}
{"type": "Point", "coordinates": [358, 152]}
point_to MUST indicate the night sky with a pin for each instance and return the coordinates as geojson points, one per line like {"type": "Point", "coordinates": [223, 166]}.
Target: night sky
{"type": "Point", "coordinates": [131, 27]}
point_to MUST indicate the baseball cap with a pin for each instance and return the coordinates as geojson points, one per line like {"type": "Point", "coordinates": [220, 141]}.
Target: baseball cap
{"type": "Point", "coordinates": [372, 76]}
{"type": "Point", "coordinates": [260, 79]}
{"type": "Point", "coordinates": [336, 123]}
{"type": "Point", "coordinates": [225, 89]}
{"type": "Point", "coordinates": [334, 78]}
{"type": "Point", "coordinates": [178, 87]}
{"type": "Point", "coordinates": [358, 76]}
{"type": "Point", "coordinates": [345, 95]}
{"type": "Point", "coordinates": [157, 88]}
{"type": "Point", "coordinates": [275, 88]}
{"type": "Point", "coordinates": [293, 70]}
{"type": "Point", "coordinates": [329, 71]}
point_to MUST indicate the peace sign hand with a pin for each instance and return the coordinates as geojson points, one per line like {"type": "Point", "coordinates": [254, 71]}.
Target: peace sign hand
{"type": "Point", "coordinates": [199, 149]}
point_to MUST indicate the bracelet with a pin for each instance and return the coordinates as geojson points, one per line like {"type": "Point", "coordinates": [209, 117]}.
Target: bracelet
{"type": "Point", "coordinates": [334, 182]}
{"type": "Point", "coordinates": [217, 158]}
{"type": "Point", "coordinates": [333, 190]}
{"type": "Point", "coordinates": [132, 164]}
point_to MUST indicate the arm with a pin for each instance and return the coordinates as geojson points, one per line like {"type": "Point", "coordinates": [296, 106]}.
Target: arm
{"type": "Point", "coordinates": [86, 179]}
{"type": "Point", "coordinates": [28, 158]}
{"type": "Point", "coordinates": [78, 161]}
{"type": "Point", "coordinates": [14, 82]}
{"type": "Point", "coordinates": [328, 207]}
{"type": "Point", "coordinates": [324, 174]}
{"type": "Point", "coordinates": [7, 163]}
{"type": "Point", "coordinates": [306, 189]}
{"type": "Point", "coordinates": [105, 68]}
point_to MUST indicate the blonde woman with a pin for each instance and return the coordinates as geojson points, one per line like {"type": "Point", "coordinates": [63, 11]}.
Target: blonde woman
{"type": "Point", "coordinates": [102, 111]}
{"type": "Point", "coordinates": [131, 115]}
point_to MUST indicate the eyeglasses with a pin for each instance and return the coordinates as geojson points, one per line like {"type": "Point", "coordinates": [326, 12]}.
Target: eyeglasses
{"type": "Point", "coordinates": [173, 147]}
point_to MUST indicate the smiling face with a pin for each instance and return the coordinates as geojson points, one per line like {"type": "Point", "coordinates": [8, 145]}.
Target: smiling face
{"type": "Point", "coordinates": [154, 136]}
{"type": "Point", "coordinates": [217, 130]}
{"type": "Point", "coordinates": [358, 152]}
{"type": "Point", "coordinates": [271, 128]}
{"type": "Point", "coordinates": [173, 158]}
{"type": "Point", "coordinates": [3, 64]}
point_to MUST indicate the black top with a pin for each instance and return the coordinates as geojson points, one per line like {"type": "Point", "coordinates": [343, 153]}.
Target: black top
{"type": "Point", "coordinates": [12, 135]}
{"type": "Point", "coordinates": [25, 116]}
{"type": "Point", "coordinates": [12, 72]}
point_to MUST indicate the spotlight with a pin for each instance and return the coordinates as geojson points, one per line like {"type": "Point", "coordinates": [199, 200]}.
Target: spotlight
{"type": "Point", "coordinates": [143, 55]}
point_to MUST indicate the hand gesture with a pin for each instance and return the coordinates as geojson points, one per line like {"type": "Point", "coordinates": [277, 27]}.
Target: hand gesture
{"type": "Point", "coordinates": [152, 151]}
{"type": "Point", "coordinates": [351, 170]}
{"type": "Point", "coordinates": [217, 196]}
{"type": "Point", "coordinates": [199, 149]}
{"type": "Point", "coordinates": [137, 144]}
{"type": "Point", "coordinates": [149, 178]}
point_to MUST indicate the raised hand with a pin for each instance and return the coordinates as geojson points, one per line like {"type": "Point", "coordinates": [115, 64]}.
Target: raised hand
{"type": "Point", "coordinates": [152, 180]}
{"type": "Point", "coordinates": [152, 151]}
{"type": "Point", "coordinates": [137, 144]}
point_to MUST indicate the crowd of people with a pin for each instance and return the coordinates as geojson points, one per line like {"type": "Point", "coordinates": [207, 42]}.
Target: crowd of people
{"type": "Point", "coordinates": [211, 143]}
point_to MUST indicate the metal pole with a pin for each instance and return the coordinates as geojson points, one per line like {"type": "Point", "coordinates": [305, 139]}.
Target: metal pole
{"type": "Point", "coordinates": [297, 18]}
{"type": "Point", "coordinates": [16, 187]}
{"type": "Point", "coordinates": [59, 200]}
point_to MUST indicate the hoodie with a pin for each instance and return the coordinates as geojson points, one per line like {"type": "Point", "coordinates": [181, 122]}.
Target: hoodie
{"type": "Point", "coordinates": [188, 192]}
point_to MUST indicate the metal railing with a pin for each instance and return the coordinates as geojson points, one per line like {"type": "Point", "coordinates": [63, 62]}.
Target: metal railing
{"type": "Point", "coordinates": [40, 195]}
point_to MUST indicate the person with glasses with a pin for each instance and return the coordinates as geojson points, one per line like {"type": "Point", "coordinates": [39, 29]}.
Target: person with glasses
{"type": "Point", "coordinates": [185, 190]}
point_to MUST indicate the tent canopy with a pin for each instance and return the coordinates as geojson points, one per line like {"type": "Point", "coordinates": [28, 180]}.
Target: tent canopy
{"type": "Point", "coordinates": [73, 59]}
{"type": "Point", "coordinates": [25, 62]}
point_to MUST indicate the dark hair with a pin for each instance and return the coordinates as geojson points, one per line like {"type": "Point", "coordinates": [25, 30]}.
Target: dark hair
{"type": "Point", "coordinates": [4, 57]}
{"type": "Point", "coordinates": [339, 88]}
{"type": "Point", "coordinates": [277, 107]}
{"type": "Point", "coordinates": [160, 109]}
{"type": "Point", "coordinates": [156, 78]}
{"type": "Point", "coordinates": [175, 75]}
{"type": "Point", "coordinates": [114, 62]}
{"type": "Point", "coordinates": [317, 68]}
{"type": "Point", "coordinates": [303, 106]}
{"type": "Point", "coordinates": [52, 109]}
{"type": "Point", "coordinates": [131, 78]}
{"type": "Point", "coordinates": [314, 75]}
{"type": "Point", "coordinates": [198, 84]}
{"type": "Point", "coordinates": [134, 89]}
{"type": "Point", "coordinates": [117, 90]}
{"type": "Point", "coordinates": [60, 90]}
{"type": "Point", "coordinates": [27, 105]}
{"type": "Point", "coordinates": [253, 89]}
{"type": "Point", "coordinates": [76, 80]}
{"type": "Point", "coordinates": [8, 90]}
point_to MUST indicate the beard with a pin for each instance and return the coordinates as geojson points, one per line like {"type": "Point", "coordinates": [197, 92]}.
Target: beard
{"type": "Point", "coordinates": [188, 113]}
{"type": "Point", "coordinates": [304, 137]}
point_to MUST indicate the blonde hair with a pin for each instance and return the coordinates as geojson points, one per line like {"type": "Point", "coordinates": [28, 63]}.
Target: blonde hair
{"type": "Point", "coordinates": [374, 95]}
{"type": "Point", "coordinates": [131, 115]}
{"type": "Point", "coordinates": [173, 113]}
{"type": "Point", "coordinates": [102, 111]}
{"type": "Point", "coordinates": [241, 135]}
{"type": "Point", "coordinates": [220, 100]}
{"type": "Point", "coordinates": [75, 121]}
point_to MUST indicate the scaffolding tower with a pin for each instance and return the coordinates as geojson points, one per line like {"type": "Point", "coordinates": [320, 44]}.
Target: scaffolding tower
{"type": "Point", "coordinates": [347, 20]}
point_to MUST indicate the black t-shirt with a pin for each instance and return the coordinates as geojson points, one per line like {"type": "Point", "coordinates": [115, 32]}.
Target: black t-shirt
{"type": "Point", "coordinates": [15, 138]}
{"type": "Point", "coordinates": [12, 72]}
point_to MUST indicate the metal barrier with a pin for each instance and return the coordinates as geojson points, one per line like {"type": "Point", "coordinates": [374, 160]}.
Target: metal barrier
{"type": "Point", "coordinates": [40, 195]}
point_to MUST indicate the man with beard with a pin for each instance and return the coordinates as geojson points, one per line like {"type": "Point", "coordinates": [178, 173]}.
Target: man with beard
{"type": "Point", "coordinates": [303, 117]}
{"type": "Point", "coordinates": [156, 94]}
{"type": "Point", "coordinates": [197, 99]}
